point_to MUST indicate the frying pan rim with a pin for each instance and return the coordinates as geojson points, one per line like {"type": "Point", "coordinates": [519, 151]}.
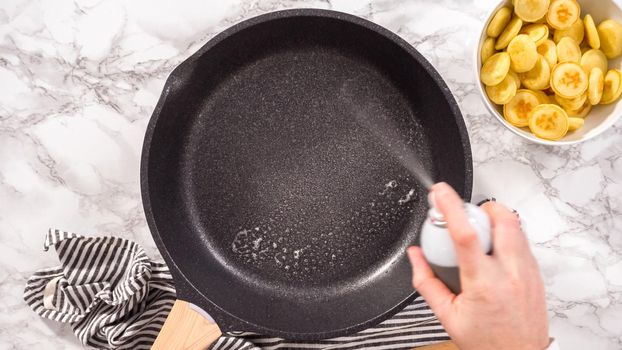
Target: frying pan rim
{"type": "Point", "coordinates": [169, 86]}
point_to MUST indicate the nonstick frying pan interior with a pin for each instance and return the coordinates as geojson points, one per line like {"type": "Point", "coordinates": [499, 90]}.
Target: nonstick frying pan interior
{"type": "Point", "coordinates": [278, 212]}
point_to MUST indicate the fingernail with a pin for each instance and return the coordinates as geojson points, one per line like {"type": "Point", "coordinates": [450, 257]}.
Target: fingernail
{"type": "Point", "coordinates": [440, 186]}
{"type": "Point", "coordinates": [440, 189]}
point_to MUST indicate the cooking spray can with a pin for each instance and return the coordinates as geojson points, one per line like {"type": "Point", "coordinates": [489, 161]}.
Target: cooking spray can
{"type": "Point", "coordinates": [438, 248]}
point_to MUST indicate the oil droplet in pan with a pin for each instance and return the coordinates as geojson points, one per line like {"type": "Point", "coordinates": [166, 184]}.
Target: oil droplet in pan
{"type": "Point", "coordinates": [410, 196]}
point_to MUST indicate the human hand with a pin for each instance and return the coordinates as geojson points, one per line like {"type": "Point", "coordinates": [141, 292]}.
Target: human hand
{"type": "Point", "coordinates": [502, 304]}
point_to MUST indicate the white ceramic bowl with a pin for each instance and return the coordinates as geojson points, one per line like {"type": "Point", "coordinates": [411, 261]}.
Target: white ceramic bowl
{"type": "Point", "coordinates": [600, 118]}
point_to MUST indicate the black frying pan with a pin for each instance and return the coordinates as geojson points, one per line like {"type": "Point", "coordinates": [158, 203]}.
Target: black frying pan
{"type": "Point", "coordinates": [276, 211]}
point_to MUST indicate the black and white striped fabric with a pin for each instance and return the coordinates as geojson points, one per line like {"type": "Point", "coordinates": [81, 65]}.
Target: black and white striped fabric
{"type": "Point", "coordinates": [414, 326]}
{"type": "Point", "coordinates": [106, 287]}
{"type": "Point", "coordinates": [115, 297]}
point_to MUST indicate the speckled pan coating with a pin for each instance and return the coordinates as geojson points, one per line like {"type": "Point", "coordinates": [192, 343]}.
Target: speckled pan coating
{"type": "Point", "coordinates": [276, 211]}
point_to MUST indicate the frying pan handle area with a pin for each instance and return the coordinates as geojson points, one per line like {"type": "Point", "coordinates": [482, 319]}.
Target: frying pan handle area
{"type": "Point", "coordinates": [209, 311]}
{"type": "Point", "coordinates": [186, 329]}
{"type": "Point", "coordinates": [448, 345]}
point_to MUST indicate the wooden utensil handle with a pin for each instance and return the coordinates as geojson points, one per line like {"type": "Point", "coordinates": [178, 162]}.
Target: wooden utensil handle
{"type": "Point", "coordinates": [448, 345]}
{"type": "Point", "coordinates": [186, 329]}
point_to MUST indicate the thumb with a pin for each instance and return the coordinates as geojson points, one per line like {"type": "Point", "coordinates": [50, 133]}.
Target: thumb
{"type": "Point", "coordinates": [433, 290]}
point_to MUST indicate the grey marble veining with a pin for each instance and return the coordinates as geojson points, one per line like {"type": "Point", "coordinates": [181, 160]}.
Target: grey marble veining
{"type": "Point", "coordinates": [79, 80]}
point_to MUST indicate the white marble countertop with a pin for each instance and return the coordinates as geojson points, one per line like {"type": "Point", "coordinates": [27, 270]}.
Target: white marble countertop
{"type": "Point", "coordinates": [78, 83]}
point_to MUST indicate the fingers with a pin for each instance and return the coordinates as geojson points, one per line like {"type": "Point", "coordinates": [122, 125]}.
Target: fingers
{"type": "Point", "coordinates": [468, 250]}
{"type": "Point", "coordinates": [435, 292]}
{"type": "Point", "coordinates": [508, 239]}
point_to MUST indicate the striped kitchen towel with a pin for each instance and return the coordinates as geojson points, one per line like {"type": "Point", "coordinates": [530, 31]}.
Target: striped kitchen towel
{"type": "Point", "coordinates": [115, 297]}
